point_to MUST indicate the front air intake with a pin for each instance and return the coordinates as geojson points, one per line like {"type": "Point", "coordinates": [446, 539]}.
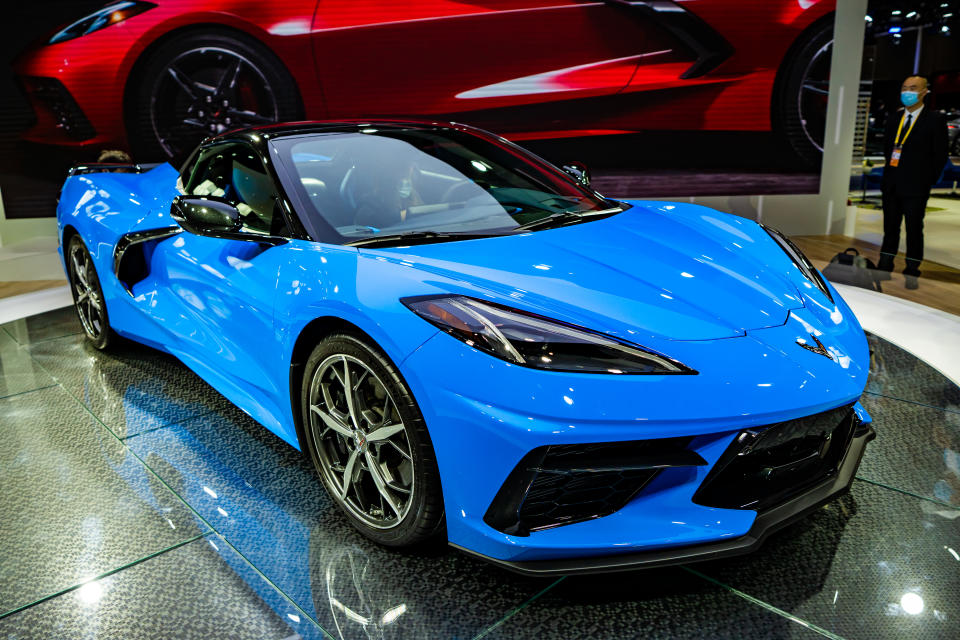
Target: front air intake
{"type": "Point", "coordinates": [767, 466]}
{"type": "Point", "coordinates": [561, 484]}
{"type": "Point", "coordinates": [67, 115]}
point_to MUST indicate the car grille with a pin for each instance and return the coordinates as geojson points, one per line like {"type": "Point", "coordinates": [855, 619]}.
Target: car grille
{"type": "Point", "coordinates": [562, 484]}
{"type": "Point", "coordinates": [766, 466]}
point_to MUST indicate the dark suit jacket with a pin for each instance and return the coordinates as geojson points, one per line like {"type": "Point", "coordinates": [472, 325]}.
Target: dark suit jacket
{"type": "Point", "coordinates": [923, 155]}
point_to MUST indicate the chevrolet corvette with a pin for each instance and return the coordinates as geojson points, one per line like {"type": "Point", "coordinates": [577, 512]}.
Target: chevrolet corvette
{"type": "Point", "coordinates": [160, 76]}
{"type": "Point", "coordinates": [471, 344]}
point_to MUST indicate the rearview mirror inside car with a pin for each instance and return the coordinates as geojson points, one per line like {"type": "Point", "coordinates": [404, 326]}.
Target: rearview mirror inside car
{"type": "Point", "coordinates": [579, 171]}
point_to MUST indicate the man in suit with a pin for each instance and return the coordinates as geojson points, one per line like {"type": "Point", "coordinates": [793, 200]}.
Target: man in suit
{"type": "Point", "coordinates": [915, 148]}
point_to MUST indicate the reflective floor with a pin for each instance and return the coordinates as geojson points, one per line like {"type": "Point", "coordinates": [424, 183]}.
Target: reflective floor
{"type": "Point", "coordinates": [138, 503]}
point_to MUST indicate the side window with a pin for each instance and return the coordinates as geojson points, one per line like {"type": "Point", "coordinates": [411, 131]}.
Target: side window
{"type": "Point", "coordinates": [234, 172]}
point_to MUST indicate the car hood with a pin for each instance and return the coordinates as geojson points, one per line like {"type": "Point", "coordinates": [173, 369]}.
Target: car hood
{"type": "Point", "coordinates": [675, 272]}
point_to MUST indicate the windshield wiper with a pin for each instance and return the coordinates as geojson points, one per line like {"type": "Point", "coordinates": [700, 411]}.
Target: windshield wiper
{"type": "Point", "coordinates": [566, 217]}
{"type": "Point", "coordinates": [421, 237]}
{"type": "Point", "coordinates": [415, 237]}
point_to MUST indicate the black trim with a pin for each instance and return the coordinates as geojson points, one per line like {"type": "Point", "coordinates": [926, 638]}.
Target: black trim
{"type": "Point", "coordinates": [111, 167]}
{"type": "Point", "coordinates": [136, 239]}
{"type": "Point", "coordinates": [799, 258]}
{"type": "Point", "coordinates": [710, 48]}
{"type": "Point", "coordinates": [503, 513]}
{"type": "Point", "coordinates": [665, 460]}
{"type": "Point", "coordinates": [243, 236]}
{"type": "Point", "coordinates": [766, 523]}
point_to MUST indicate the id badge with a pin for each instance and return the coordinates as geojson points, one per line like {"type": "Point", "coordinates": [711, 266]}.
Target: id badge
{"type": "Point", "coordinates": [895, 157]}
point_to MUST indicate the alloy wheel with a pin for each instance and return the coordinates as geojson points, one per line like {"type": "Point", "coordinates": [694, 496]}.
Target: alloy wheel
{"type": "Point", "coordinates": [86, 292]}
{"type": "Point", "coordinates": [363, 450]}
{"type": "Point", "coordinates": [205, 91]}
{"type": "Point", "coordinates": [814, 92]}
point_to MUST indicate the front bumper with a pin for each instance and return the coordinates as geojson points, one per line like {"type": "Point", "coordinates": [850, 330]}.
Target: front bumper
{"type": "Point", "coordinates": [485, 415]}
{"type": "Point", "coordinates": [767, 522]}
{"type": "Point", "coordinates": [75, 90]}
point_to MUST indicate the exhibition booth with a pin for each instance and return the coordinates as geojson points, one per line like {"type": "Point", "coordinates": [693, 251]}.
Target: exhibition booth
{"type": "Point", "coordinates": [431, 320]}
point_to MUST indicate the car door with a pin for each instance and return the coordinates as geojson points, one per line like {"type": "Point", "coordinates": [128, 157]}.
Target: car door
{"type": "Point", "coordinates": [510, 65]}
{"type": "Point", "coordinates": [220, 293]}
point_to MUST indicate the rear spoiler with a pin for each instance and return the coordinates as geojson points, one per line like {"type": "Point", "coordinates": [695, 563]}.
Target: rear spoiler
{"type": "Point", "coordinates": [111, 167]}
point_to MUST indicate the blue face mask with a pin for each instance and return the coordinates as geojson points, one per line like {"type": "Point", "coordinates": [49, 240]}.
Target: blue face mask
{"type": "Point", "coordinates": [909, 98]}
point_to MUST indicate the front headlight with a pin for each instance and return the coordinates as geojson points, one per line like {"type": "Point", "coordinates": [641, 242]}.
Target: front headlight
{"type": "Point", "coordinates": [530, 340]}
{"type": "Point", "coordinates": [803, 263]}
{"type": "Point", "coordinates": [111, 14]}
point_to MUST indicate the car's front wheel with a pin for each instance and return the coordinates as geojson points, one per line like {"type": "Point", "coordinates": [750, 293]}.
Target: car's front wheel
{"type": "Point", "coordinates": [369, 444]}
{"type": "Point", "coordinates": [87, 294]}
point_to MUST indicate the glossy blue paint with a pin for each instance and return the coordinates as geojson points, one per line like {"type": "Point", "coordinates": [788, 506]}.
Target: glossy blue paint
{"type": "Point", "coordinates": [708, 289]}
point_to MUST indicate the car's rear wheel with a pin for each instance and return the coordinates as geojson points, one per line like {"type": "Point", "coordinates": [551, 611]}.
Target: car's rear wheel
{"type": "Point", "coordinates": [800, 112]}
{"type": "Point", "coordinates": [369, 444]}
{"type": "Point", "coordinates": [200, 84]}
{"type": "Point", "coordinates": [88, 294]}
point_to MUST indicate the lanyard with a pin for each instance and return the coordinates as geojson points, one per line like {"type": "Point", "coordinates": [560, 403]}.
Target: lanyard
{"type": "Point", "coordinates": [896, 141]}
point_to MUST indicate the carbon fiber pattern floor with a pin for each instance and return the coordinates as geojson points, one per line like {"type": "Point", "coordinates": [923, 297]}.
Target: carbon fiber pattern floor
{"type": "Point", "coordinates": [138, 503]}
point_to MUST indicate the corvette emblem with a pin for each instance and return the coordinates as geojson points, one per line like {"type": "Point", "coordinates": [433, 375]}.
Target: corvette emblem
{"type": "Point", "coordinates": [819, 348]}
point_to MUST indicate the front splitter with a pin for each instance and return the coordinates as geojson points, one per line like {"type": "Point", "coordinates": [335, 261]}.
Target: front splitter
{"type": "Point", "coordinates": [767, 523]}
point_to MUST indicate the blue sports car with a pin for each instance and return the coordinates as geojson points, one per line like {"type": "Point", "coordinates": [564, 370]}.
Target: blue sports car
{"type": "Point", "coordinates": [470, 342]}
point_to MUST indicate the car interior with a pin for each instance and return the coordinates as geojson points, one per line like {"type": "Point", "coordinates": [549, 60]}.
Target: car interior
{"type": "Point", "coordinates": [344, 176]}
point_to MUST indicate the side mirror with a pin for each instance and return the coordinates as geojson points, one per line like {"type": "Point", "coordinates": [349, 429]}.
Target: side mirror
{"type": "Point", "coordinates": [579, 172]}
{"type": "Point", "coordinates": [205, 216]}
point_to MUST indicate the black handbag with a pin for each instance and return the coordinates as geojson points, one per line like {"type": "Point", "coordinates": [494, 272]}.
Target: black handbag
{"type": "Point", "coordinates": [849, 267]}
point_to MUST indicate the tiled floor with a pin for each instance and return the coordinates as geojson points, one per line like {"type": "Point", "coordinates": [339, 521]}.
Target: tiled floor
{"type": "Point", "coordinates": [138, 503]}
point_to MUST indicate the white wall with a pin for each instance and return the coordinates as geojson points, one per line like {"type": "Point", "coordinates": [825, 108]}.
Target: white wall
{"type": "Point", "coordinates": [17, 230]}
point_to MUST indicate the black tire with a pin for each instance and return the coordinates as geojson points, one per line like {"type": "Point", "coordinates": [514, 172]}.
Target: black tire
{"type": "Point", "coordinates": [422, 517]}
{"type": "Point", "coordinates": [800, 104]}
{"type": "Point", "coordinates": [160, 104]}
{"type": "Point", "coordinates": [88, 300]}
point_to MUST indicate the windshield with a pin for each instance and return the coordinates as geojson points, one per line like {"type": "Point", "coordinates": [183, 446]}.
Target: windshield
{"type": "Point", "coordinates": [384, 182]}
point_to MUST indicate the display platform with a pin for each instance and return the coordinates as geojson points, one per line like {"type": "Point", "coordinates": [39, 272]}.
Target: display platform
{"type": "Point", "coordinates": [137, 502]}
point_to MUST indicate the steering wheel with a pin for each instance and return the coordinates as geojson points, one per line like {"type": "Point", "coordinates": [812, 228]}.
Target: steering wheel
{"type": "Point", "coordinates": [448, 194]}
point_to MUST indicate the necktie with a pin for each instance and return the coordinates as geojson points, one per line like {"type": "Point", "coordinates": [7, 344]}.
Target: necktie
{"type": "Point", "coordinates": [906, 128]}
